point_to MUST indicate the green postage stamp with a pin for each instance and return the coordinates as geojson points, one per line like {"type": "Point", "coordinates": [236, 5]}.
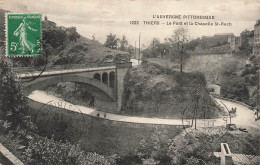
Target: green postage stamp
{"type": "Point", "coordinates": [23, 34]}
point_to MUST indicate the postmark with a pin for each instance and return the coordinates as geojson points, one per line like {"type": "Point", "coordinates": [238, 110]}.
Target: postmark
{"type": "Point", "coordinates": [198, 116]}
{"type": "Point", "coordinates": [23, 34]}
{"type": "Point", "coordinates": [27, 74]}
{"type": "Point", "coordinates": [34, 71]}
{"type": "Point", "coordinates": [60, 119]}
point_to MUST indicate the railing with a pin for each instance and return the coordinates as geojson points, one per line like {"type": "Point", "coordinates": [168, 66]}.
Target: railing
{"type": "Point", "coordinates": [124, 65]}
{"type": "Point", "coordinates": [60, 67]}
{"type": "Point", "coordinates": [27, 72]}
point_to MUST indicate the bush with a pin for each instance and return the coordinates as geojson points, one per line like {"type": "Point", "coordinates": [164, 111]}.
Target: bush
{"type": "Point", "coordinates": [189, 150]}
{"type": "Point", "coordinates": [48, 152]}
{"type": "Point", "coordinates": [155, 150]}
{"type": "Point", "coordinates": [235, 88]}
{"type": "Point", "coordinates": [249, 70]}
{"type": "Point", "coordinates": [160, 149]}
{"type": "Point", "coordinates": [12, 102]}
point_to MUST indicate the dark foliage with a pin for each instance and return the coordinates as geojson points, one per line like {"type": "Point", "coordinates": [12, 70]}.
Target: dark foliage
{"type": "Point", "coordinates": [12, 102]}
{"type": "Point", "coordinates": [111, 41]}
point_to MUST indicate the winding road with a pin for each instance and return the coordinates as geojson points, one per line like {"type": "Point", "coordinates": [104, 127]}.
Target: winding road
{"type": "Point", "coordinates": [245, 116]}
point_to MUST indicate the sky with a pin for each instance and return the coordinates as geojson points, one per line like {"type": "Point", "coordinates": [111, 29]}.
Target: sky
{"type": "Point", "coordinates": [102, 17]}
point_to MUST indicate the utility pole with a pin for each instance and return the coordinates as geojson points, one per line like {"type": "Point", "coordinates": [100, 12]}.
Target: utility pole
{"type": "Point", "coordinates": [139, 46]}
{"type": "Point", "coordinates": [197, 105]}
{"type": "Point", "coordinates": [135, 49]}
{"type": "Point", "coordinates": [257, 96]}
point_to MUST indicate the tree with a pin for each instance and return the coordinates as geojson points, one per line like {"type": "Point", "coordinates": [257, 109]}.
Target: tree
{"type": "Point", "coordinates": [234, 88]}
{"type": "Point", "coordinates": [193, 43]}
{"type": "Point", "coordinates": [245, 49]}
{"type": "Point", "coordinates": [155, 149]}
{"type": "Point", "coordinates": [156, 49]}
{"type": "Point", "coordinates": [131, 50]}
{"type": "Point", "coordinates": [123, 43]}
{"type": "Point", "coordinates": [178, 42]}
{"type": "Point", "coordinates": [12, 102]}
{"type": "Point", "coordinates": [55, 37]}
{"type": "Point", "coordinates": [72, 33]}
{"type": "Point", "coordinates": [190, 150]}
{"type": "Point", "coordinates": [111, 41]}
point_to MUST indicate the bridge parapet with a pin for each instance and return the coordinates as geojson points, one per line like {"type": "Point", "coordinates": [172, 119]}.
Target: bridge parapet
{"type": "Point", "coordinates": [29, 72]}
{"type": "Point", "coordinates": [70, 67]}
{"type": "Point", "coordinates": [124, 65]}
{"type": "Point", "coordinates": [62, 67]}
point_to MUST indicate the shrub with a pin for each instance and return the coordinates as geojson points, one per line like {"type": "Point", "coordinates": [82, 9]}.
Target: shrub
{"type": "Point", "coordinates": [235, 88]}
{"type": "Point", "coordinates": [13, 104]}
{"type": "Point", "coordinates": [155, 150]}
{"type": "Point", "coordinates": [48, 152]}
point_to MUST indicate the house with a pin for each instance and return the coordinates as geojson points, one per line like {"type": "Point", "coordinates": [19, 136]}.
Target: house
{"type": "Point", "coordinates": [229, 158]}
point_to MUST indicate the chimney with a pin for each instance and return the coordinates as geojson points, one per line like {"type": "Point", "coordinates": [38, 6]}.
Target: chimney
{"type": "Point", "coordinates": [226, 155]}
{"type": "Point", "coordinates": [257, 22]}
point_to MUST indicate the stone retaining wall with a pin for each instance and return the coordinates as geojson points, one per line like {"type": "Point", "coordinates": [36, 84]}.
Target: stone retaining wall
{"type": "Point", "coordinates": [96, 134]}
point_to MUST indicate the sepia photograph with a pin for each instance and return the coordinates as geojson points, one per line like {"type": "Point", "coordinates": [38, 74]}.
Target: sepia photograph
{"type": "Point", "coordinates": [130, 82]}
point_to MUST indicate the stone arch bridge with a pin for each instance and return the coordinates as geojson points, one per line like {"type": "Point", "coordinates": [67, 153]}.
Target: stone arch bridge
{"type": "Point", "coordinates": [104, 81]}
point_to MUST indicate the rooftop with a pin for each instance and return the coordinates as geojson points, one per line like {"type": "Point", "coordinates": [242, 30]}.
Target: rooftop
{"type": "Point", "coordinates": [224, 34]}
{"type": "Point", "coordinates": [242, 158]}
{"type": "Point", "coordinates": [257, 22]}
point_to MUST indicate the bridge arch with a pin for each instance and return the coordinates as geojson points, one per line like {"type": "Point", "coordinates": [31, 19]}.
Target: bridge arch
{"type": "Point", "coordinates": [97, 88]}
{"type": "Point", "coordinates": [97, 76]}
{"type": "Point", "coordinates": [112, 79]}
{"type": "Point", "coordinates": [105, 78]}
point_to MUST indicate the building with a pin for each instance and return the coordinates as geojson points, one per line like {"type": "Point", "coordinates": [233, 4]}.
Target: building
{"type": "Point", "coordinates": [48, 24]}
{"type": "Point", "coordinates": [229, 158]}
{"type": "Point", "coordinates": [232, 42]}
{"type": "Point", "coordinates": [256, 46]}
{"type": "Point", "coordinates": [220, 39]}
{"type": "Point", "coordinates": [237, 43]}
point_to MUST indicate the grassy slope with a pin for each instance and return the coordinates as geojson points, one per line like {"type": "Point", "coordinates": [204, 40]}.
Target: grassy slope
{"type": "Point", "coordinates": [85, 50]}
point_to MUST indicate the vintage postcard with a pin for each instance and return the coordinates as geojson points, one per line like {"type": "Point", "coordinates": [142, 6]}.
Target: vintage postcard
{"type": "Point", "coordinates": [130, 82]}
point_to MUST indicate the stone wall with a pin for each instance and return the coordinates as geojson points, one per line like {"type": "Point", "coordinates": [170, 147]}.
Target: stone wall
{"type": "Point", "coordinates": [96, 134]}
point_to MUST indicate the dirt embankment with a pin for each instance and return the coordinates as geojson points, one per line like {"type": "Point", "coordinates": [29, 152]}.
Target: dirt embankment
{"type": "Point", "coordinates": [153, 90]}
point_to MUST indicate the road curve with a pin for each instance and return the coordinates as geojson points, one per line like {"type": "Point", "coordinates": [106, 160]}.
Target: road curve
{"type": "Point", "coordinates": [43, 97]}
{"type": "Point", "coordinates": [244, 115]}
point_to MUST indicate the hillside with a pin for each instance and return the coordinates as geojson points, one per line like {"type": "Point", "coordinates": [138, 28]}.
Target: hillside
{"type": "Point", "coordinates": [213, 65]}
{"type": "Point", "coordinates": [65, 46]}
{"type": "Point", "coordinates": [85, 50]}
{"type": "Point", "coordinates": [156, 91]}
{"type": "Point", "coordinates": [216, 49]}
{"type": "Point", "coordinates": [236, 76]}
